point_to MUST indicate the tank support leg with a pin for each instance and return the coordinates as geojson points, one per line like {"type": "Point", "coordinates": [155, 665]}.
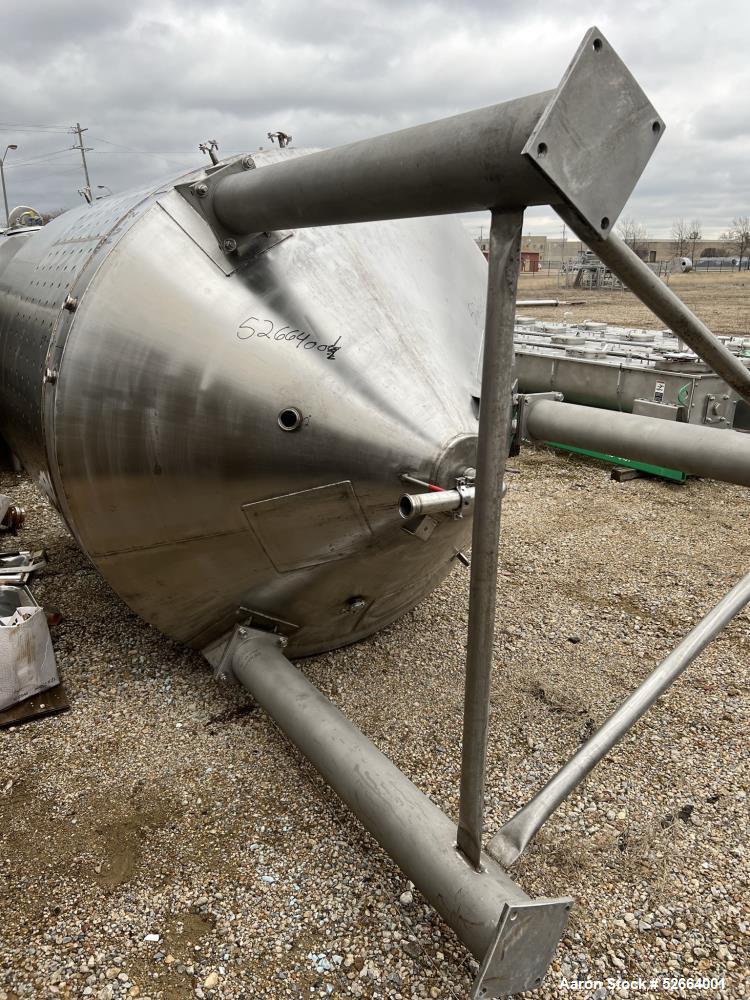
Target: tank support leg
{"type": "Point", "coordinates": [513, 838]}
{"type": "Point", "coordinates": [512, 936]}
{"type": "Point", "coordinates": [492, 450]}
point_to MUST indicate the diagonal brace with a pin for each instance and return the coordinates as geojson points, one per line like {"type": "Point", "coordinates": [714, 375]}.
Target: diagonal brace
{"type": "Point", "coordinates": [513, 838]}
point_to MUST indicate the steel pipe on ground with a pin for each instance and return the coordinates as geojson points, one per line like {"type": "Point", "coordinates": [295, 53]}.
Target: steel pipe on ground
{"type": "Point", "coordinates": [419, 837]}
{"type": "Point", "coordinates": [698, 451]}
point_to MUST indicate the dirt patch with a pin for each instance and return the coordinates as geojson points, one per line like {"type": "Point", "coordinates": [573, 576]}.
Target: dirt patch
{"type": "Point", "coordinates": [722, 301]}
{"type": "Point", "coordinates": [119, 844]}
{"type": "Point", "coordinates": [92, 839]}
{"type": "Point", "coordinates": [183, 932]}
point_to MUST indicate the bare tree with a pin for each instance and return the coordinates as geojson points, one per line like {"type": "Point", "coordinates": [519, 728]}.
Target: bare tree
{"type": "Point", "coordinates": [680, 238]}
{"type": "Point", "coordinates": [738, 236]}
{"type": "Point", "coordinates": [634, 234]}
{"type": "Point", "coordinates": [694, 235]}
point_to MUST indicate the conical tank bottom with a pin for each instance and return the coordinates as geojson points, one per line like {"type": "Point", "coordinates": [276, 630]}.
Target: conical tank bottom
{"type": "Point", "coordinates": [233, 445]}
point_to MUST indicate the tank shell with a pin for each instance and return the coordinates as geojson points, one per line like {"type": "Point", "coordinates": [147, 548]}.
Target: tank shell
{"type": "Point", "coordinates": [145, 376]}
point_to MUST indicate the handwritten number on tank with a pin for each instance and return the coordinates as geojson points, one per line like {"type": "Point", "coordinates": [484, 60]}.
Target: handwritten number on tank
{"type": "Point", "coordinates": [263, 329]}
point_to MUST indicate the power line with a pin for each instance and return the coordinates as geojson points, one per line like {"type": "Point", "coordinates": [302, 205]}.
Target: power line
{"type": "Point", "coordinates": [109, 142]}
{"type": "Point", "coordinates": [173, 156]}
{"type": "Point", "coordinates": [152, 152]}
{"type": "Point", "coordinates": [144, 152]}
{"type": "Point", "coordinates": [60, 168]}
{"type": "Point", "coordinates": [37, 159]}
{"type": "Point", "coordinates": [17, 127]}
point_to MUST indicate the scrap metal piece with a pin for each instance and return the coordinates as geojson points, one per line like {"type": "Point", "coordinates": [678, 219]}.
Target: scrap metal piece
{"type": "Point", "coordinates": [421, 527]}
{"type": "Point", "coordinates": [17, 567]}
{"type": "Point", "coordinates": [14, 596]}
{"type": "Point", "coordinates": [12, 516]}
{"type": "Point", "coordinates": [27, 660]}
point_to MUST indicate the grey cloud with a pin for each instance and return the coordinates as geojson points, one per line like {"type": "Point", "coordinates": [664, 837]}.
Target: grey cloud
{"type": "Point", "coordinates": [159, 76]}
{"type": "Point", "coordinates": [725, 122]}
{"type": "Point", "coordinates": [31, 29]}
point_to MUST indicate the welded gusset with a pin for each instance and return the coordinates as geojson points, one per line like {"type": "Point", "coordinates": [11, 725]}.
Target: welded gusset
{"type": "Point", "coordinates": [584, 144]}
{"type": "Point", "coordinates": [512, 936]}
{"type": "Point", "coordinates": [663, 302]}
{"type": "Point", "coordinates": [691, 448]}
{"type": "Point", "coordinates": [513, 837]}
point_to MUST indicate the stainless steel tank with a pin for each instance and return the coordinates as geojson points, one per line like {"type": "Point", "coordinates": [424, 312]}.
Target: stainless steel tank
{"type": "Point", "coordinates": [226, 413]}
{"type": "Point", "coordinates": [225, 439]}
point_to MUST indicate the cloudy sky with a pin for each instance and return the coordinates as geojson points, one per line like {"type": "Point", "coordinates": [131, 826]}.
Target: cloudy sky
{"type": "Point", "coordinates": [149, 79]}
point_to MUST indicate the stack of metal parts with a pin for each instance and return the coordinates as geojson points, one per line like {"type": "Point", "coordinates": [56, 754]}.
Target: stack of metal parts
{"type": "Point", "coordinates": [585, 270]}
{"type": "Point", "coordinates": [27, 660]}
{"type": "Point", "coordinates": [648, 372]}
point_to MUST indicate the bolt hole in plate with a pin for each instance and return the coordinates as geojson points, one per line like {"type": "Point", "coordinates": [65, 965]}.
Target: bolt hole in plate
{"type": "Point", "coordinates": [541, 149]}
{"type": "Point", "coordinates": [597, 45]}
{"type": "Point", "coordinates": [290, 419]}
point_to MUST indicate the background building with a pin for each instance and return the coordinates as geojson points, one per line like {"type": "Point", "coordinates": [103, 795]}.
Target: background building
{"type": "Point", "coordinates": [551, 250]}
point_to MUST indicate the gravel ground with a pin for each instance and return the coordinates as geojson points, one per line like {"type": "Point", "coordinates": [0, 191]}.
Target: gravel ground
{"type": "Point", "coordinates": [164, 805]}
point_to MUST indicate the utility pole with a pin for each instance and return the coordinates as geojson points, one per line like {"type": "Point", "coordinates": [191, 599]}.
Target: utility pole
{"type": "Point", "coordinates": [86, 192]}
{"type": "Point", "coordinates": [2, 178]}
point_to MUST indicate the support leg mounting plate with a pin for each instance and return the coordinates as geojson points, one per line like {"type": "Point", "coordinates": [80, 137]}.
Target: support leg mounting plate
{"type": "Point", "coordinates": [525, 943]}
